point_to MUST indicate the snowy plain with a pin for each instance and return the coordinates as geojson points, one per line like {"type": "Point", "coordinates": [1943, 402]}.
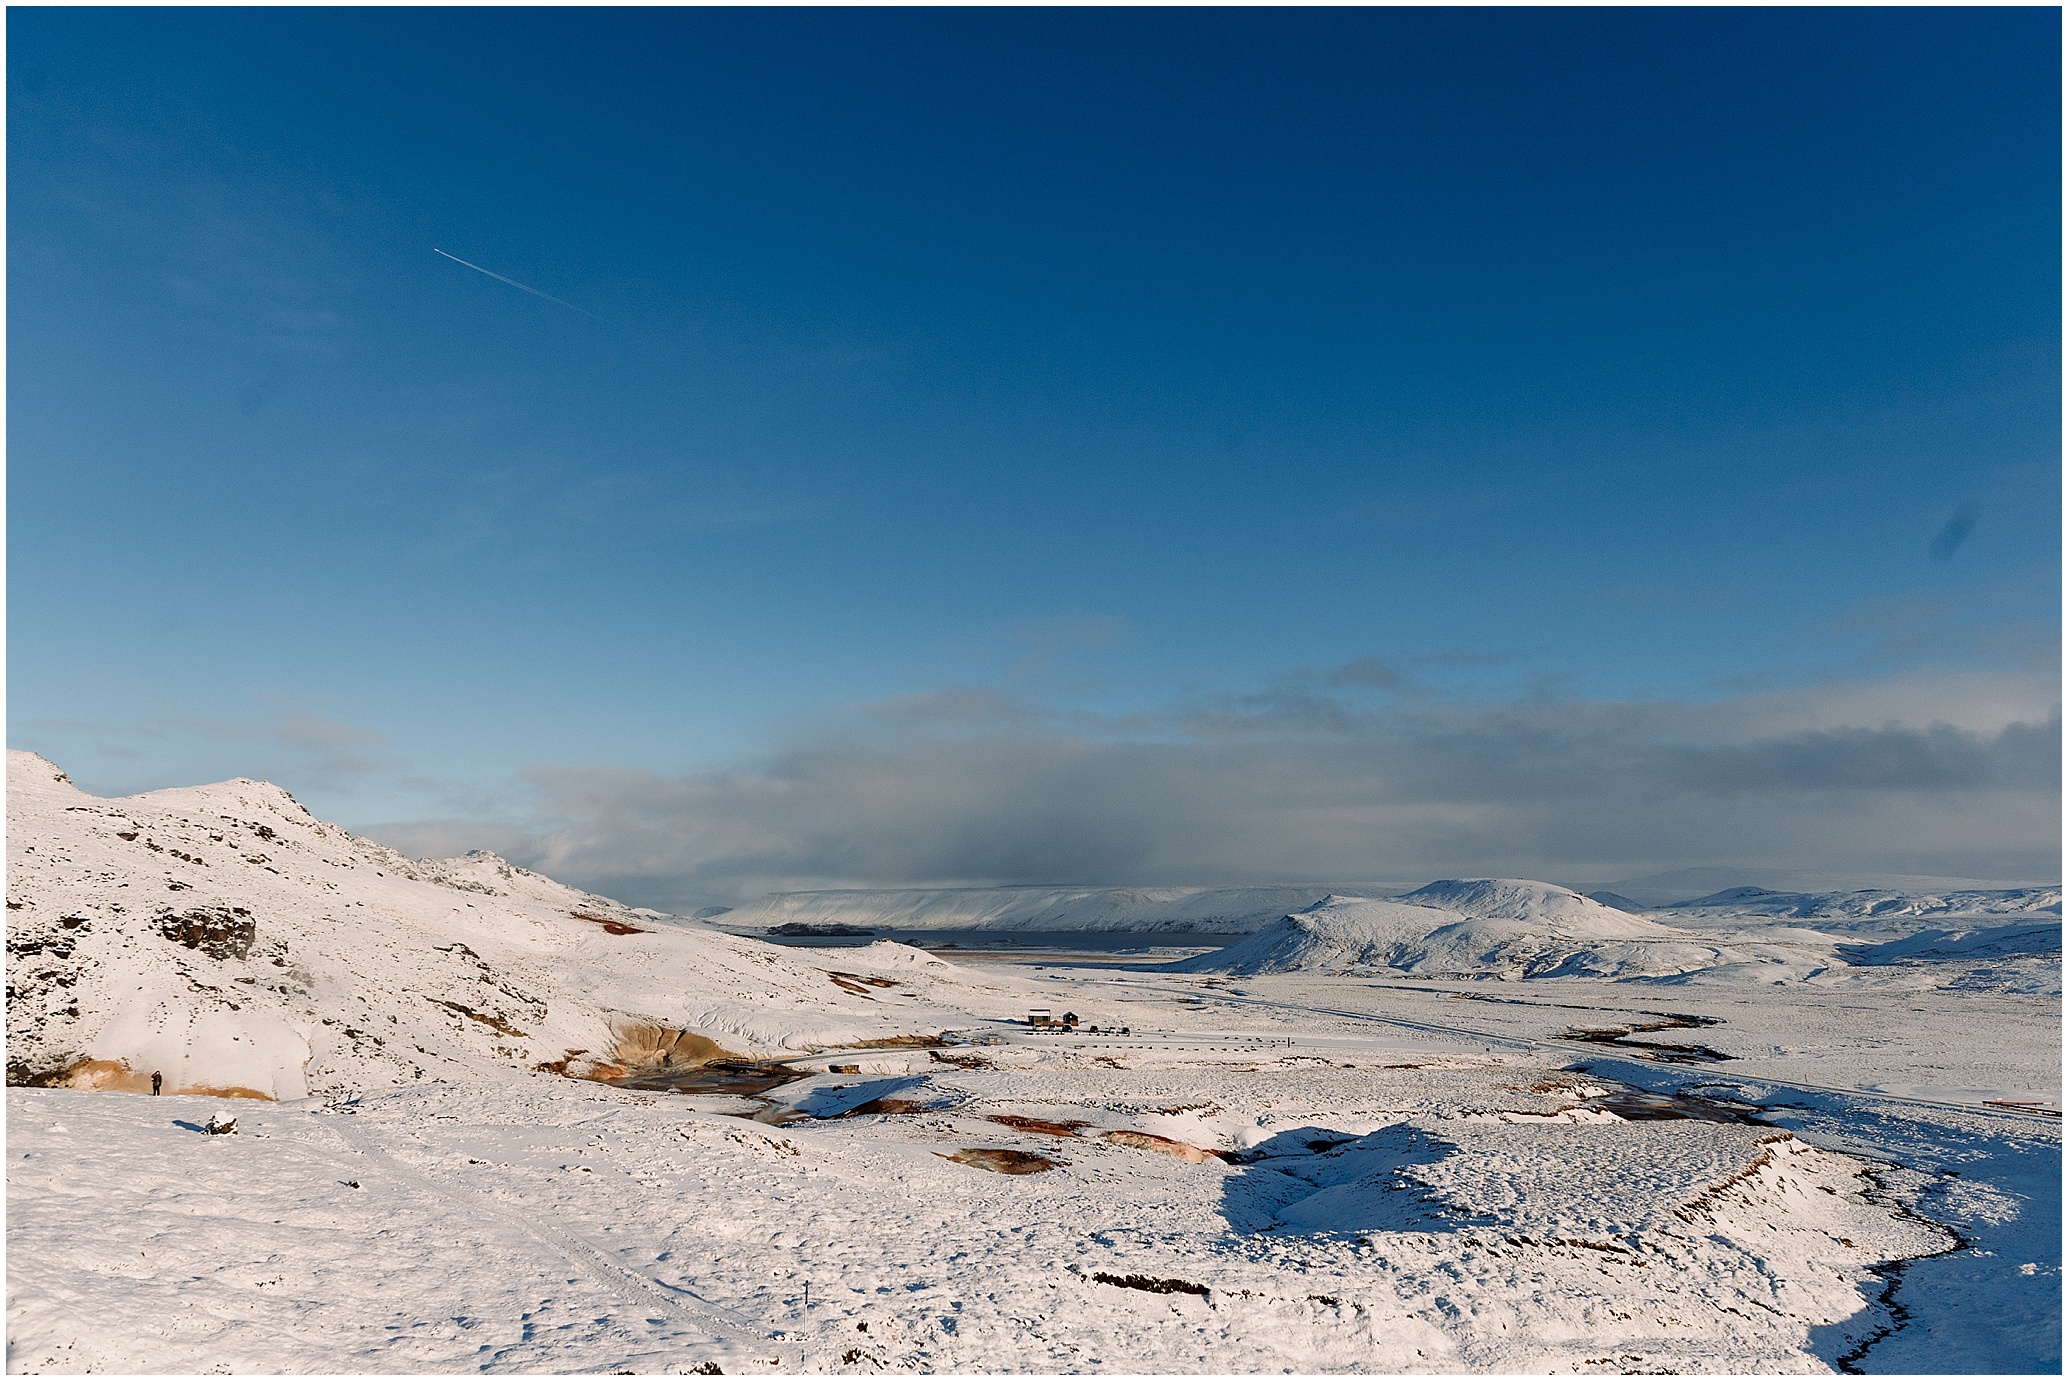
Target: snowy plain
{"type": "Point", "coordinates": [1494, 1128]}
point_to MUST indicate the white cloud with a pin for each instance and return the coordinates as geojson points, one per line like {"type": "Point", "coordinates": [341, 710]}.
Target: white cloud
{"type": "Point", "coordinates": [1314, 782]}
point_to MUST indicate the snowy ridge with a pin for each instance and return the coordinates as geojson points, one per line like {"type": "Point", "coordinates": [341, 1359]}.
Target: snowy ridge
{"type": "Point", "coordinates": [1225, 910]}
{"type": "Point", "coordinates": [1986, 942]}
{"type": "Point", "coordinates": [1878, 903]}
{"type": "Point", "coordinates": [1539, 903]}
{"type": "Point", "coordinates": [1512, 928]}
{"type": "Point", "coordinates": [1488, 928]}
{"type": "Point", "coordinates": [225, 938]}
{"type": "Point", "coordinates": [1660, 890]}
{"type": "Point", "coordinates": [1246, 910]}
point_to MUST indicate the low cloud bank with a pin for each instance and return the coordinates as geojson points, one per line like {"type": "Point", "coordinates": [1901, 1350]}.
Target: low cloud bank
{"type": "Point", "coordinates": [1314, 782]}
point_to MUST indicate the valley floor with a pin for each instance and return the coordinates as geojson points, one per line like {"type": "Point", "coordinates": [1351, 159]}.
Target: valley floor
{"type": "Point", "coordinates": [1263, 1175]}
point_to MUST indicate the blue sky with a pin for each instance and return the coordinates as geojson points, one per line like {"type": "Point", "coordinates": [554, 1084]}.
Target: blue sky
{"type": "Point", "coordinates": [1081, 383]}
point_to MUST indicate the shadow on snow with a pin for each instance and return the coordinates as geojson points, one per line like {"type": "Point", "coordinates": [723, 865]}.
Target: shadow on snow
{"type": "Point", "coordinates": [1313, 1179]}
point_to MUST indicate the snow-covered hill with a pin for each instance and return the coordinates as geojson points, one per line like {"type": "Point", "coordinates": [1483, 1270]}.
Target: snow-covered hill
{"type": "Point", "coordinates": [1877, 904]}
{"type": "Point", "coordinates": [1225, 911]}
{"type": "Point", "coordinates": [226, 939]}
{"type": "Point", "coordinates": [1513, 928]}
{"type": "Point", "coordinates": [1986, 942]}
{"type": "Point", "coordinates": [1361, 933]}
{"type": "Point", "coordinates": [1682, 884]}
{"type": "Point", "coordinates": [1534, 903]}
{"type": "Point", "coordinates": [1879, 912]}
{"type": "Point", "coordinates": [1511, 937]}
{"type": "Point", "coordinates": [2017, 958]}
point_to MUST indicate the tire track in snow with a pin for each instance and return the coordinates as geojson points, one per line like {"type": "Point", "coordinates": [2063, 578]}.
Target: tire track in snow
{"type": "Point", "coordinates": [724, 1327]}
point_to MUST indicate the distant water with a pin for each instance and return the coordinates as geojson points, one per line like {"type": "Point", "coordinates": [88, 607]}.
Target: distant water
{"type": "Point", "coordinates": [1023, 946]}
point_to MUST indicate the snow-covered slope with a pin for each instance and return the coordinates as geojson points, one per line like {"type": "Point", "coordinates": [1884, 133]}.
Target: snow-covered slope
{"type": "Point", "coordinates": [1536, 903]}
{"type": "Point", "coordinates": [1986, 942]}
{"type": "Point", "coordinates": [1682, 884]}
{"type": "Point", "coordinates": [1225, 911]}
{"type": "Point", "coordinates": [1513, 928]}
{"type": "Point", "coordinates": [1877, 904]}
{"type": "Point", "coordinates": [225, 938]}
{"type": "Point", "coordinates": [1246, 910]}
{"type": "Point", "coordinates": [1490, 928]}
{"type": "Point", "coordinates": [2018, 958]}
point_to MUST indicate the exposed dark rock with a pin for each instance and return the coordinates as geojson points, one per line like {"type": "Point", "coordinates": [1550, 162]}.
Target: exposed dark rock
{"type": "Point", "coordinates": [1151, 1284]}
{"type": "Point", "coordinates": [220, 932]}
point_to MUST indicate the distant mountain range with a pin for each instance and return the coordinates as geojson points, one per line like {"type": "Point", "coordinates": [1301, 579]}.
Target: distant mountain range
{"type": "Point", "coordinates": [1247, 910]}
{"type": "Point", "coordinates": [1686, 884]}
{"type": "Point", "coordinates": [1876, 903]}
{"type": "Point", "coordinates": [1509, 928]}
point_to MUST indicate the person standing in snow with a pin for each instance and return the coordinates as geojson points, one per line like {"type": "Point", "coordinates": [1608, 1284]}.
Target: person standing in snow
{"type": "Point", "coordinates": [157, 1082]}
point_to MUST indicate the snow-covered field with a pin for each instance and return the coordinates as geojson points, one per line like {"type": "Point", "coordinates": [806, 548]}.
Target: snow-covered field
{"type": "Point", "coordinates": [1485, 1127]}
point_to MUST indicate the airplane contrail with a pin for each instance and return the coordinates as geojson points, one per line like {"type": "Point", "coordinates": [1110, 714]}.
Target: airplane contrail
{"type": "Point", "coordinates": [515, 284]}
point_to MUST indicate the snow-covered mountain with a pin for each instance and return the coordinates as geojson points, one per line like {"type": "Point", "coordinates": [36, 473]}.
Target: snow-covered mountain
{"type": "Point", "coordinates": [1506, 928]}
{"type": "Point", "coordinates": [1877, 903]}
{"type": "Point", "coordinates": [1985, 942]}
{"type": "Point", "coordinates": [1537, 903]}
{"type": "Point", "coordinates": [1513, 928]}
{"type": "Point", "coordinates": [1657, 890]}
{"type": "Point", "coordinates": [1224, 910]}
{"type": "Point", "coordinates": [1248, 910]}
{"type": "Point", "coordinates": [226, 939]}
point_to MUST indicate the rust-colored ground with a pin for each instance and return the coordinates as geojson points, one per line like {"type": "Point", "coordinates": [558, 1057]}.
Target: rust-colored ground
{"type": "Point", "coordinates": [1035, 1124]}
{"type": "Point", "coordinates": [648, 1045]}
{"type": "Point", "coordinates": [610, 927]}
{"type": "Point", "coordinates": [1003, 1161]}
{"type": "Point", "coordinates": [116, 1076]}
{"type": "Point", "coordinates": [1162, 1145]}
